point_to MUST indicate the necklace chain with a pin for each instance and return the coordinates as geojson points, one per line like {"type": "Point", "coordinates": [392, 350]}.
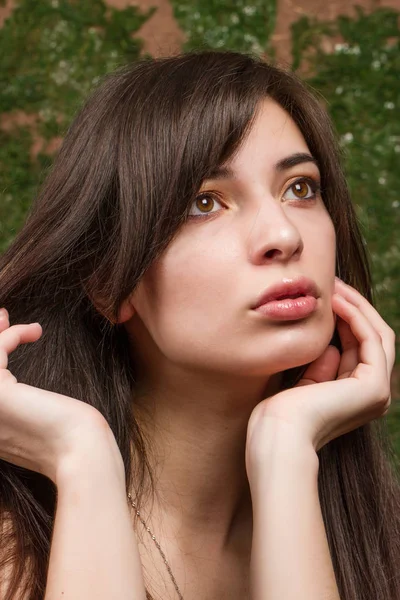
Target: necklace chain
{"type": "Point", "coordinates": [153, 537]}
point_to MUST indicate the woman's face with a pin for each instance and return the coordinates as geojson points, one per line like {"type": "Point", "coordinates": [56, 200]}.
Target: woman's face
{"type": "Point", "coordinates": [250, 230]}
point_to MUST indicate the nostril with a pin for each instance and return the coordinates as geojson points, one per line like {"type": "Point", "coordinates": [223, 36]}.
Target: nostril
{"type": "Point", "coordinates": [271, 253]}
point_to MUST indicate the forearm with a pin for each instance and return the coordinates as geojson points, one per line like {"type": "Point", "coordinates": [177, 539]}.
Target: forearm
{"type": "Point", "coordinates": [94, 553]}
{"type": "Point", "coordinates": [290, 553]}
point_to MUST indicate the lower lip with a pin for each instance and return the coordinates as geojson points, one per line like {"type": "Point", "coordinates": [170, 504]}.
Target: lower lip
{"type": "Point", "coordinates": [288, 309]}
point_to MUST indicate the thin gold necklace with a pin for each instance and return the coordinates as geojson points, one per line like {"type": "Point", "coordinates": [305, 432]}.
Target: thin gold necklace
{"type": "Point", "coordinates": [153, 537]}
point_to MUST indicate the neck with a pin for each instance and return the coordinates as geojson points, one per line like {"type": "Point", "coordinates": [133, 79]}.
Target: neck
{"type": "Point", "coordinates": [196, 446]}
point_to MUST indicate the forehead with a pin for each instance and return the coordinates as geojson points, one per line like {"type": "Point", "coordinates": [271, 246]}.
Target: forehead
{"type": "Point", "coordinates": [273, 135]}
{"type": "Point", "coordinates": [274, 143]}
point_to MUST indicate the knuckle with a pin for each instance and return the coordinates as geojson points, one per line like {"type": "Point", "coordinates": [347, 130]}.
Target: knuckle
{"type": "Point", "coordinates": [388, 402]}
{"type": "Point", "coordinates": [391, 335]}
{"type": "Point", "coordinates": [385, 412]}
{"type": "Point", "coordinates": [380, 392]}
{"type": "Point", "coordinates": [95, 418]}
{"type": "Point", "coordinates": [376, 335]}
{"type": "Point", "coordinates": [4, 325]}
{"type": "Point", "coordinates": [385, 397]}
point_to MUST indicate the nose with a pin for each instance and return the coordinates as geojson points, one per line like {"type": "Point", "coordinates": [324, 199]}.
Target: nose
{"type": "Point", "coordinates": [274, 236]}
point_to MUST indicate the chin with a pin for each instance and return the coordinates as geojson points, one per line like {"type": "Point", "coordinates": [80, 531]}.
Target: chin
{"type": "Point", "coordinates": [303, 352]}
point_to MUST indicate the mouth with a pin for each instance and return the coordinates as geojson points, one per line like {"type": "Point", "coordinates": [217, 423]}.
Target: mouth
{"type": "Point", "coordinates": [288, 289]}
{"type": "Point", "coordinates": [288, 297]}
{"type": "Point", "coordinates": [288, 308]}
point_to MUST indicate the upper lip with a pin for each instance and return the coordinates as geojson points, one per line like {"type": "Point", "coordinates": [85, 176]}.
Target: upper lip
{"type": "Point", "coordinates": [302, 286]}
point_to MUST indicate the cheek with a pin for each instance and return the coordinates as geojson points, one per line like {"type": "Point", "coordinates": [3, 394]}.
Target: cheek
{"type": "Point", "coordinates": [183, 297]}
{"type": "Point", "coordinates": [330, 236]}
{"type": "Point", "coordinates": [197, 273]}
{"type": "Point", "coordinates": [322, 239]}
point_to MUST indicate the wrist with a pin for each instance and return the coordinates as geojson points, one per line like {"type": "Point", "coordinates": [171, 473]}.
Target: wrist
{"type": "Point", "coordinates": [278, 448]}
{"type": "Point", "coordinates": [96, 457]}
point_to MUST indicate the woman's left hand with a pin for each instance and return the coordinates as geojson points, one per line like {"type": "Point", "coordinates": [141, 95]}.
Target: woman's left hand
{"type": "Point", "coordinates": [338, 392]}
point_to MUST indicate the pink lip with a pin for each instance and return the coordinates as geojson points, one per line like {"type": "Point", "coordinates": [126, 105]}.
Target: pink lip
{"type": "Point", "coordinates": [302, 286]}
{"type": "Point", "coordinates": [288, 310]}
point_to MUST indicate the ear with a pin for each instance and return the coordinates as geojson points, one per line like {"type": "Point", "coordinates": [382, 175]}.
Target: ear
{"type": "Point", "coordinates": [126, 311]}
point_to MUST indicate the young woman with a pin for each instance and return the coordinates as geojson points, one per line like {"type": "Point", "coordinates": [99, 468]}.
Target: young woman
{"type": "Point", "coordinates": [190, 401]}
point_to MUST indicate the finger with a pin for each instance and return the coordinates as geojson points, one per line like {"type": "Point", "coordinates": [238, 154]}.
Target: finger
{"type": "Point", "coordinates": [354, 296]}
{"type": "Point", "coordinates": [12, 337]}
{"type": "Point", "coordinates": [324, 368]}
{"type": "Point", "coordinates": [387, 334]}
{"type": "Point", "coordinates": [371, 352]}
{"type": "Point", "coordinates": [4, 319]}
{"type": "Point", "coordinates": [350, 345]}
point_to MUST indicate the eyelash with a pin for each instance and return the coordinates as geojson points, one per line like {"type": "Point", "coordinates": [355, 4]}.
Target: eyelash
{"type": "Point", "coordinates": [312, 183]}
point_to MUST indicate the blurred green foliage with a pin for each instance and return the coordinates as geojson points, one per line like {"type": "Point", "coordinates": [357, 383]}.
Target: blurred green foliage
{"type": "Point", "coordinates": [229, 24]}
{"type": "Point", "coordinates": [52, 53]}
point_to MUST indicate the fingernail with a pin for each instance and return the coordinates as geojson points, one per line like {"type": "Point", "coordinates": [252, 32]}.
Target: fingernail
{"type": "Point", "coordinates": [3, 313]}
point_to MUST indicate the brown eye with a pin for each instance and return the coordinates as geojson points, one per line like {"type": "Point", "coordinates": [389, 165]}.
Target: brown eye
{"type": "Point", "coordinates": [203, 204]}
{"type": "Point", "coordinates": [302, 189]}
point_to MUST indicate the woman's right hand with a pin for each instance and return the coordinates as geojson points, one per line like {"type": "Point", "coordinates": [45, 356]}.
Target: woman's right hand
{"type": "Point", "coordinates": [38, 428]}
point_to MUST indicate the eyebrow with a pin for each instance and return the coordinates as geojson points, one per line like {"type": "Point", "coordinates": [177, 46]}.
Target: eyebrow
{"type": "Point", "coordinates": [224, 172]}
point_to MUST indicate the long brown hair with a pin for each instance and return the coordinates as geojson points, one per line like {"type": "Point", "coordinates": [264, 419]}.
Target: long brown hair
{"type": "Point", "coordinates": [120, 187]}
